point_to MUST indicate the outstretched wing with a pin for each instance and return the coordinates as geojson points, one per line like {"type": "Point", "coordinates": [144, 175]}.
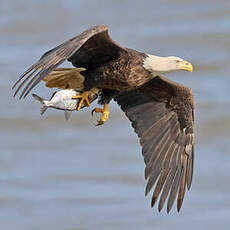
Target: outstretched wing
{"type": "Point", "coordinates": [161, 113]}
{"type": "Point", "coordinates": [92, 47]}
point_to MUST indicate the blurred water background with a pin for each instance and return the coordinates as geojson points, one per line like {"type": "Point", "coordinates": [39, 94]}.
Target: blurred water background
{"type": "Point", "coordinates": [72, 175]}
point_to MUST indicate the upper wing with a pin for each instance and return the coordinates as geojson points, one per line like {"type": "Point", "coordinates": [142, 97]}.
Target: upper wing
{"type": "Point", "coordinates": [161, 113]}
{"type": "Point", "coordinates": [91, 47]}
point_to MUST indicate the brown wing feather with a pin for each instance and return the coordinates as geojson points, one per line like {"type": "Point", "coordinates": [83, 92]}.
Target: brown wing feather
{"type": "Point", "coordinates": [64, 78]}
{"type": "Point", "coordinates": [93, 46]}
{"type": "Point", "coordinates": [161, 113]}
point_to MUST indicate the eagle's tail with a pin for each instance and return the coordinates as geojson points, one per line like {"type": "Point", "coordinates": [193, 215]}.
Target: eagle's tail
{"type": "Point", "coordinates": [64, 78]}
{"type": "Point", "coordinates": [42, 101]}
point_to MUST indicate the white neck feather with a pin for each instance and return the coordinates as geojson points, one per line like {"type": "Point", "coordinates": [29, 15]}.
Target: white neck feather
{"type": "Point", "coordinates": [158, 65]}
{"type": "Point", "coordinates": [150, 62]}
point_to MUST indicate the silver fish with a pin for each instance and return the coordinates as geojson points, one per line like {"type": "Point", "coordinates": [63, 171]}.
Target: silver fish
{"type": "Point", "coordinates": [60, 100]}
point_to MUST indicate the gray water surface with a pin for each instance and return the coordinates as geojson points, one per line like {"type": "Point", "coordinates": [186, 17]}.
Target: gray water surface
{"type": "Point", "coordinates": [72, 175]}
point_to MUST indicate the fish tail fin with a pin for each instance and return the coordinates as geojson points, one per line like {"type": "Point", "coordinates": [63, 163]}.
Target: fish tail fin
{"type": "Point", "coordinates": [42, 101]}
{"type": "Point", "coordinates": [43, 109]}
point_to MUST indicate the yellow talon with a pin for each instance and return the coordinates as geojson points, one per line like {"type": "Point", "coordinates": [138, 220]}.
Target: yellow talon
{"type": "Point", "coordinates": [84, 98]}
{"type": "Point", "coordinates": [105, 114]}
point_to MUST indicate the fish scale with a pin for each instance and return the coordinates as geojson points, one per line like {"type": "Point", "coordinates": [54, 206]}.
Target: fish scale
{"type": "Point", "coordinates": [61, 100]}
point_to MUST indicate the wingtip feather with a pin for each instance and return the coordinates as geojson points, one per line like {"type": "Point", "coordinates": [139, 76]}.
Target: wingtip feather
{"type": "Point", "coordinates": [179, 204]}
{"type": "Point", "coordinates": [154, 199]}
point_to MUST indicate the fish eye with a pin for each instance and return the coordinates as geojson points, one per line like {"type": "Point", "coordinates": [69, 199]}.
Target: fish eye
{"type": "Point", "coordinates": [177, 61]}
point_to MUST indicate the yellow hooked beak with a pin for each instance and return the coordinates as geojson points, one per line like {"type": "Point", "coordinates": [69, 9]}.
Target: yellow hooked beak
{"type": "Point", "coordinates": [185, 65]}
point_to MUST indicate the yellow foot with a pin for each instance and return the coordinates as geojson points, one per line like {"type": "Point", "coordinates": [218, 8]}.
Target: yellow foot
{"type": "Point", "coordinates": [105, 114]}
{"type": "Point", "coordinates": [84, 98]}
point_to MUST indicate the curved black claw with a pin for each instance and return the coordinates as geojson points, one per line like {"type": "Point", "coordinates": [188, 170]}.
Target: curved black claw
{"type": "Point", "coordinates": [104, 112]}
{"type": "Point", "coordinates": [100, 123]}
{"type": "Point", "coordinates": [92, 112]}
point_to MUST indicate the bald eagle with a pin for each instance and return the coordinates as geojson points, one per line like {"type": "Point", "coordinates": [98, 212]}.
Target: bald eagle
{"type": "Point", "coordinates": [161, 111]}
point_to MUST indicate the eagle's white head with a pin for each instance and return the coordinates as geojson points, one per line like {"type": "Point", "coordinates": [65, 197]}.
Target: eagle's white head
{"type": "Point", "coordinates": [160, 65]}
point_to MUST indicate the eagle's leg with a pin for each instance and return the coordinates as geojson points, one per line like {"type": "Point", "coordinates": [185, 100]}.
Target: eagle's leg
{"type": "Point", "coordinates": [84, 98]}
{"type": "Point", "coordinates": [104, 112]}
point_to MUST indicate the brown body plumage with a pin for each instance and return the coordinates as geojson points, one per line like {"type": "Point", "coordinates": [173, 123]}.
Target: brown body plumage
{"type": "Point", "coordinates": [160, 110]}
{"type": "Point", "coordinates": [124, 73]}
